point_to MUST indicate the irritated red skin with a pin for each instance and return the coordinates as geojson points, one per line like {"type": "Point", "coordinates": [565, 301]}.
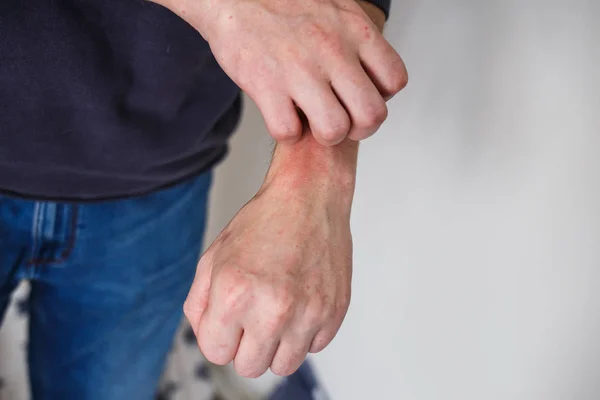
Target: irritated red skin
{"type": "Point", "coordinates": [367, 32]}
{"type": "Point", "coordinates": [307, 168]}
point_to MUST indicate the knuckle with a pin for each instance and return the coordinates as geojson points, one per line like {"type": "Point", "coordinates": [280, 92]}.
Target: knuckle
{"type": "Point", "coordinates": [233, 303]}
{"type": "Point", "coordinates": [286, 133]}
{"type": "Point", "coordinates": [214, 353]}
{"type": "Point", "coordinates": [246, 369]}
{"type": "Point", "coordinates": [279, 313]}
{"type": "Point", "coordinates": [273, 325]}
{"type": "Point", "coordinates": [314, 317]}
{"type": "Point", "coordinates": [287, 365]}
{"type": "Point", "coordinates": [248, 373]}
{"type": "Point", "coordinates": [281, 371]}
{"type": "Point", "coordinates": [283, 368]}
{"type": "Point", "coordinates": [277, 370]}
{"type": "Point", "coordinates": [315, 313]}
{"type": "Point", "coordinates": [236, 291]}
{"type": "Point", "coordinates": [322, 340]}
{"type": "Point", "coordinates": [329, 315]}
{"type": "Point", "coordinates": [285, 302]}
{"type": "Point", "coordinates": [214, 348]}
{"type": "Point", "coordinates": [373, 116]}
{"type": "Point", "coordinates": [318, 345]}
{"type": "Point", "coordinates": [212, 356]}
{"type": "Point", "coordinates": [398, 80]}
{"type": "Point", "coordinates": [344, 301]}
{"type": "Point", "coordinates": [187, 309]}
{"type": "Point", "coordinates": [223, 238]}
{"type": "Point", "coordinates": [315, 31]}
{"type": "Point", "coordinates": [335, 131]}
{"type": "Point", "coordinates": [328, 40]}
{"type": "Point", "coordinates": [190, 314]}
{"type": "Point", "coordinates": [216, 358]}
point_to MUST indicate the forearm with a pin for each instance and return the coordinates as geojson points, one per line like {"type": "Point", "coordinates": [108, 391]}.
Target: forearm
{"type": "Point", "coordinates": [308, 169]}
{"type": "Point", "coordinates": [331, 171]}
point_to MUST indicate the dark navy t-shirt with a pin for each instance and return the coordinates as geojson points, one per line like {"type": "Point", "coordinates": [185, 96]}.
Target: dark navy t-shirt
{"type": "Point", "coordinates": [107, 98]}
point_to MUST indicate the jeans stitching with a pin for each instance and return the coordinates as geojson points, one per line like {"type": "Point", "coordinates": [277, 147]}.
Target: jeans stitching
{"type": "Point", "coordinates": [34, 229]}
{"type": "Point", "coordinates": [69, 249]}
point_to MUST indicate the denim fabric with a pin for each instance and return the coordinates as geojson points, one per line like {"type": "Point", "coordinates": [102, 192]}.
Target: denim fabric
{"type": "Point", "coordinates": [301, 385]}
{"type": "Point", "coordinates": [108, 281]}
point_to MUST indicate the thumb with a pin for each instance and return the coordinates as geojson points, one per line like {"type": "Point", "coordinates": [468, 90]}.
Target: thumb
{"type": "Point", "coordinates": [197, 299]}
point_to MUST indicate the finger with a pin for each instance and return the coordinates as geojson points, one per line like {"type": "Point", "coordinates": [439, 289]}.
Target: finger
{"type": "Point", "coordinates": [254, 355]}
{"type": "Point", "coordinates": [218, 336]}
{"type": "Point", "coordinates": [328, 120]}
{"type": "Point", "coordinates": [322, 340]}
{"type": "Point", "coordinates": [360, 97]}
{"type": "Point", "coordinates": [290, 354]}
{"type": "Point", "coordinates": [325, 334]}
{"type": "Point", "coordinates": [384, 66]}
{"type": "Point", "coordinates": [280, 115]}
{"type": "Point", "coordinates": [197, 299]}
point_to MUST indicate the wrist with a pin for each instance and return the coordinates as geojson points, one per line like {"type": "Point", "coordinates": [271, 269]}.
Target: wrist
{"type": "Point", "coordinates": [308, 170]}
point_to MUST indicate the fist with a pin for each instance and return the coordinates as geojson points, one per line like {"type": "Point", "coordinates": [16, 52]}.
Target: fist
{"type": "Point", "coordinates": [274, 285]}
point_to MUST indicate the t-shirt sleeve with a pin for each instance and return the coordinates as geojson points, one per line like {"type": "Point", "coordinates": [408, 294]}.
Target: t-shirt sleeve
{"type": "Point", "coordinates": [383, 4]}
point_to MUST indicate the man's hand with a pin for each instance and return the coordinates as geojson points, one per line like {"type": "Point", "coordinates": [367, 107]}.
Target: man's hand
{"type": "Point", "coordinates": [326, 58]}
{"type": "Point", "coordinates": [275, 284]}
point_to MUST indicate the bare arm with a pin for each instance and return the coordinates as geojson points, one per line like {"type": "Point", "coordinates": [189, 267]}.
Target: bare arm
{"type": "Point", "coordinates": [329, 169]}
{"type": "Point", "coordinates": [275, 284]}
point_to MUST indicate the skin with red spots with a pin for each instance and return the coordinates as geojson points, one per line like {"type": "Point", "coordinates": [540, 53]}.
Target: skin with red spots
{"type": "Point", "coordinates": [326, 170]}
{"type": "Point", "coordinates": [275, 284]}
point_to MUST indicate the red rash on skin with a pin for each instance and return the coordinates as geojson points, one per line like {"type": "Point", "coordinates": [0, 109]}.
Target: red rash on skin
{"type": "Point", "coordinates": [310, 158]}
{"type": "Point", "coordinates": [315, 170]}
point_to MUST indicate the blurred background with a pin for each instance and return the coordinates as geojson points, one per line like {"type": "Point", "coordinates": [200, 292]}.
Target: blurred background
{"type": "Point", "coordinates": [476, 218]}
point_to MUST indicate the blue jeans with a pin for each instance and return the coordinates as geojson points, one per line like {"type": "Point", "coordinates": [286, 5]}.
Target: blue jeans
{"type": "Point", "coordinates": [108, 281]}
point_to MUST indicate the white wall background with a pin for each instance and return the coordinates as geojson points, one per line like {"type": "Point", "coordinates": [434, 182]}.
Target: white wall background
{"type": "Point", "coordinates": [477, 212]}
